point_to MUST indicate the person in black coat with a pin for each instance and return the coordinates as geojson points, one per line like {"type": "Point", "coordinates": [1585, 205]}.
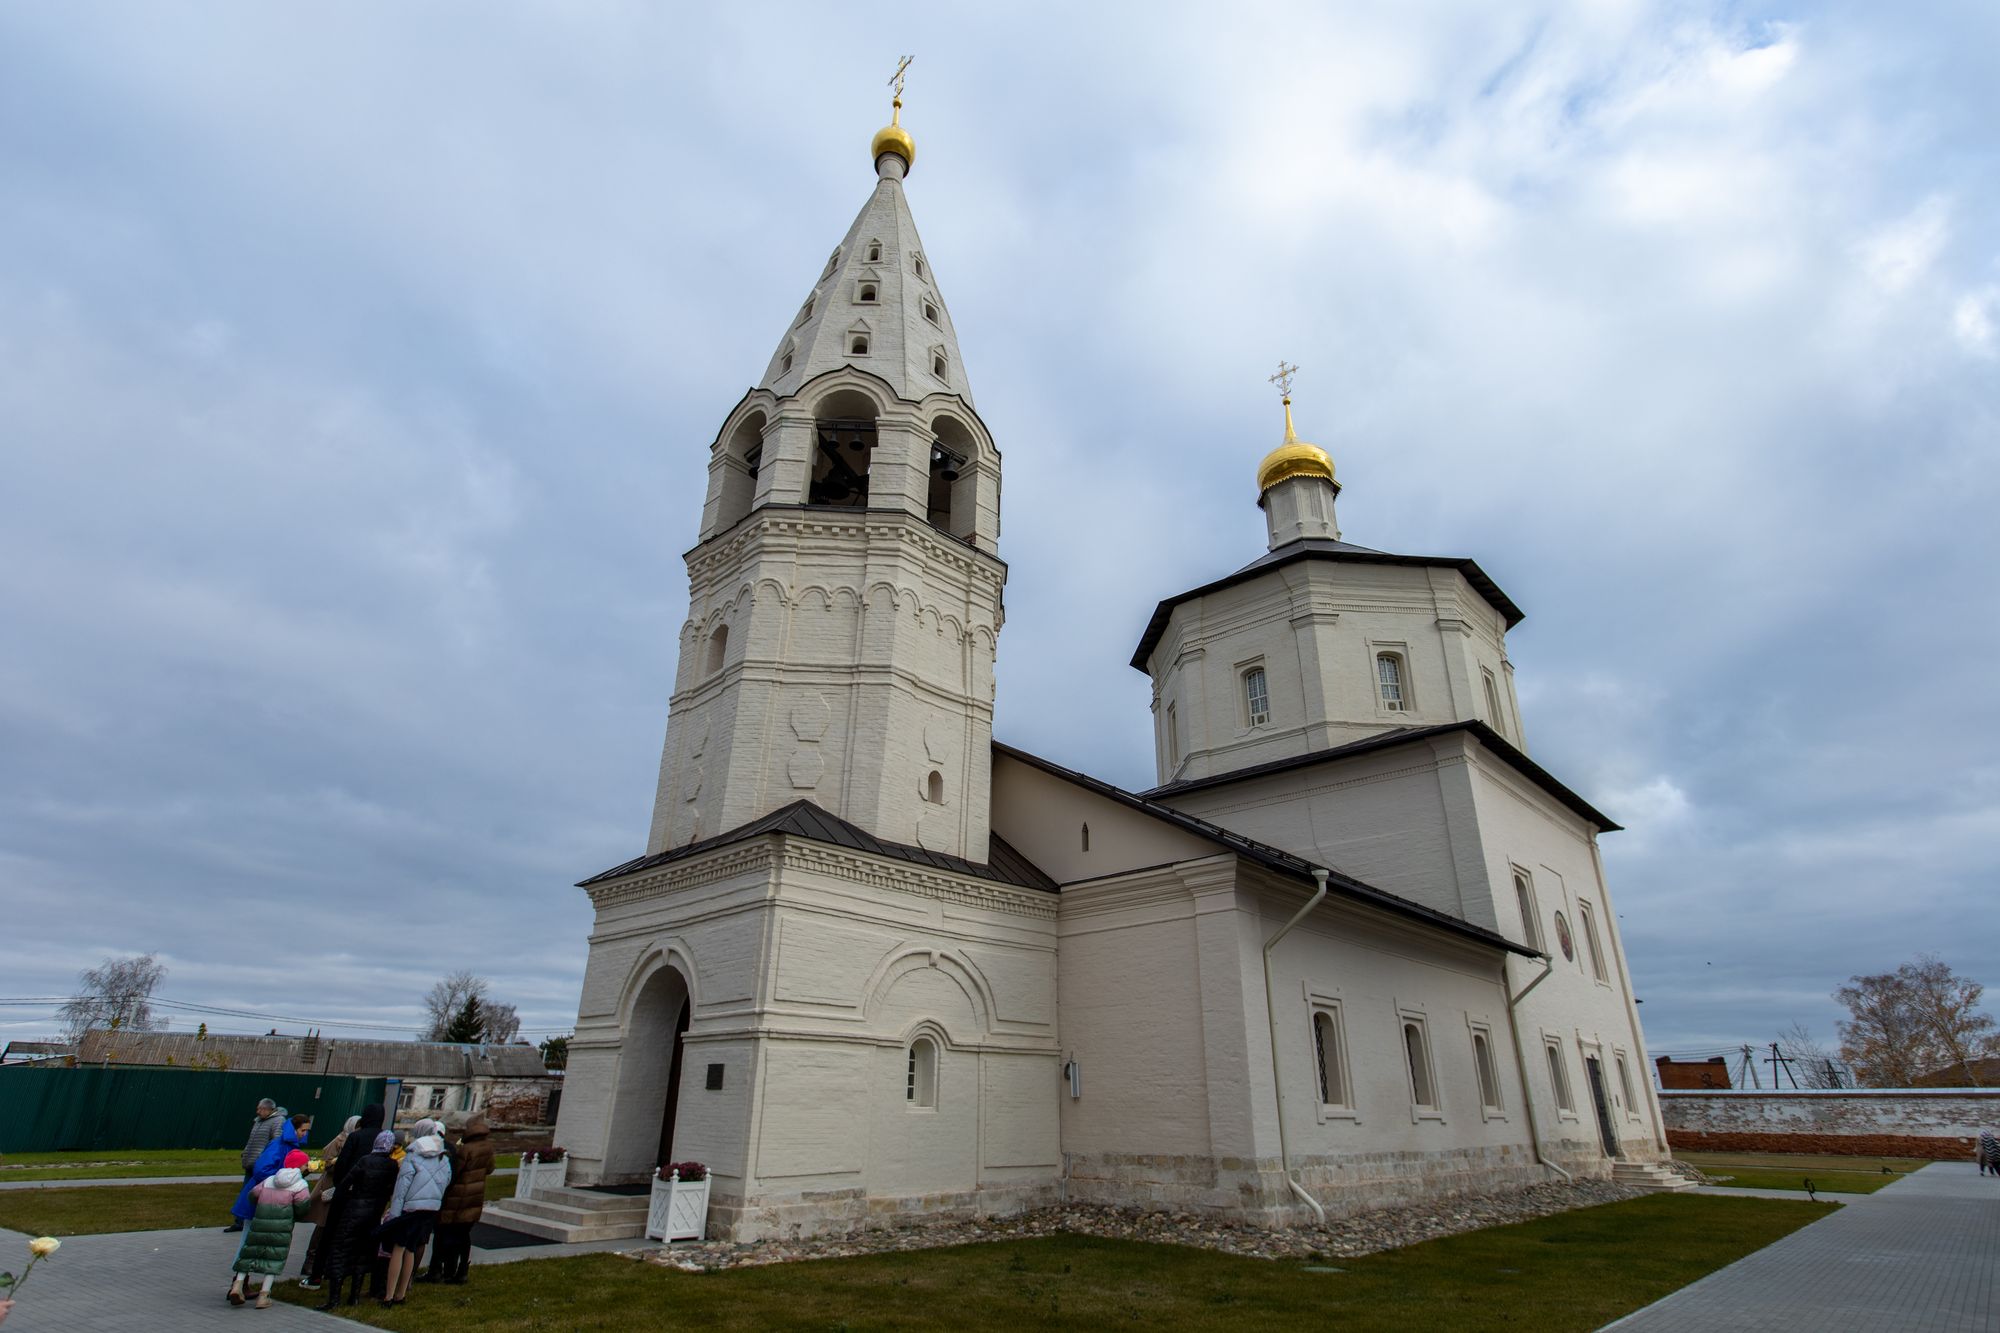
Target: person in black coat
{"type": "Point", "coordinates": [358, 1204]}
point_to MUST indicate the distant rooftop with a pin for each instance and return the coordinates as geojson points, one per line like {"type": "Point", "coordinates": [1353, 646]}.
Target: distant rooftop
{"type": "Point", "coordinates": [434, 1060]}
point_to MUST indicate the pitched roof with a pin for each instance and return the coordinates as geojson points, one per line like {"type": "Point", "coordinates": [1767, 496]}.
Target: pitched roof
{"type": "Point", "coordinates": [408, 1060]}
{"type": "Point", "coordinates": [1490, 738]}
{"type": "Point", "coordinates": [1317, 548]}
{"type": "Point", "coordinates": [900, 332]}
{"type": "Point", "coordinates": [1271, 858]}
{"type": "Point", "coordinates": [803, 819]}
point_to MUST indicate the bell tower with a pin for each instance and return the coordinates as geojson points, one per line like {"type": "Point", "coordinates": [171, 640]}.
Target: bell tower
{"type": "Point", "coordinates": [844, 600]}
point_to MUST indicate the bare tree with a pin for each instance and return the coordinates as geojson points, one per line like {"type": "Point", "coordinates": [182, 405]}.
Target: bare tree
{"type": "Point", "coordinates": [117, 993]}
{"type": "Point", "coordinates": [445, 1007]}
{"type": "Point", "coordinates": [1811, 1064]}
{"type": "Point", "coordinates": [1920, 1019]}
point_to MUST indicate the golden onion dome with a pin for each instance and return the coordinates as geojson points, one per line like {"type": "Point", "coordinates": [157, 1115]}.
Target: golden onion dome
{"type": "Point", "coordinates": [1293, 458]}
{"type": "Point", "coordinates": [893, 138]}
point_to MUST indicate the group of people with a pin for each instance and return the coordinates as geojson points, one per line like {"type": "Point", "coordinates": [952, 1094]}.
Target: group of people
{"type": "Point", "coordinates": [382, 1198]}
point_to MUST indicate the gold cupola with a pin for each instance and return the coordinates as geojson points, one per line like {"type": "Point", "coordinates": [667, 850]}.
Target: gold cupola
{"type": "Point", "coordinates": [895, 139]}
{"type": "Point", "coordinates": [1293, 458]}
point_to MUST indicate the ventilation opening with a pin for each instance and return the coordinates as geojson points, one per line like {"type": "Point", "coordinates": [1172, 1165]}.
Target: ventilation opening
{"type": "Point", "coordinates": [874, 252]}
{"type": "Point", "coordinates": [832, 263]}
{"type": "Point", "coordinates": [806, 313]}
{"type": "Point", "coordinates": [858, 344]}
{"type": "Point", "coordinates": [934, 788]}
{"type": "Point", "coordinates": [842, 452]}
{"type": "Point", "coordinates": [1086, 837]}
{"type": "Point", "coordinates": [937, 366]}
{"type": "Point", "coordinates": [918, 260]}
{"type": "Point", "coordinates": [930, 312]}
{"type": "Point", "coordinates": [868, 291]}
{"type": "Point", "coordinates": [785, 366]}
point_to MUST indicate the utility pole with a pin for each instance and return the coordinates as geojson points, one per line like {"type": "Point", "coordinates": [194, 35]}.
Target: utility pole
{"type": "Point", "coordinates": [1748, 1073]}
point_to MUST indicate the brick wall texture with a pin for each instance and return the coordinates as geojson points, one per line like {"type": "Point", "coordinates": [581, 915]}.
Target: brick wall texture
{"type": "Point", "coordinates": [1866, 1124]}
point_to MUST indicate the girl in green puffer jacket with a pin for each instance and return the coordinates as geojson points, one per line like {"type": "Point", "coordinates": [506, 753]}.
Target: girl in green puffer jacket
{"type": "Point", "coordinates": [281, 1201]}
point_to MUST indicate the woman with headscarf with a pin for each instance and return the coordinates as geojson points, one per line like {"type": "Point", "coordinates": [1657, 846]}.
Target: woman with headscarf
{"type": "Point", "coordinates": [314, 1265]}
{"type": "Point", "coordinates": [421, 1182]}
{"type": "Point", "coordinates": [358, 1201]}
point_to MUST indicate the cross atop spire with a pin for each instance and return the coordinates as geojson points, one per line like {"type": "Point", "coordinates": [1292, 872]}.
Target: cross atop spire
{"type": "Point", "coordinates": [896, 79]}
{"type": "Point", "coordinates": [1283, 379]}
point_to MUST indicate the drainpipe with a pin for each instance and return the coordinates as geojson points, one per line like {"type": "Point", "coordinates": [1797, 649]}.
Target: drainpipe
{"type": "Point", "coordinates": [1521, 1062]}
{"type": "Point", "coordinates": [1271, 1016]}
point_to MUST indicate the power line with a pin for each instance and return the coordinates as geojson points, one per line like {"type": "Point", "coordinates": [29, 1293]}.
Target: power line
{"type": "Point", "coordinates": [220, 1011]}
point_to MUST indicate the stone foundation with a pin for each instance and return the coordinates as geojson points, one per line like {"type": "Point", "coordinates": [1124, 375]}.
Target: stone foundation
{"type": "Point", "coordinates": [844, 1212]}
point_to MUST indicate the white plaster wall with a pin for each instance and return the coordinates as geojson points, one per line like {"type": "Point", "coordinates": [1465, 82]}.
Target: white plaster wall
{"type": "Point", "coordinates": [1316, 626]}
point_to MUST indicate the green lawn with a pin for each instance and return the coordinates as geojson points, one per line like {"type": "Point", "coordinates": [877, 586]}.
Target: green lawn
{"type": "Point", "coordinates": [123, 1162]}
{"type": "Point", "coordinates": [1574, 1271]}
{"type": "Point", "coordinates": [85, 1212]}
{"type": "Point", "coordinates": [1777, 1171]}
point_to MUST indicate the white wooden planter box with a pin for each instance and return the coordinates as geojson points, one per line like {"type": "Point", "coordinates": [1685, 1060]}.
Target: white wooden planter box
{"type": "Point", "coordinates": [678, 1211]}
{"type": "Point", "coordinates": [537, 1176]}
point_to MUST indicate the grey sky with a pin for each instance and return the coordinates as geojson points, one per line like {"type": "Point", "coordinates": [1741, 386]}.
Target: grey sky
{"type": "Point", "coordinates": [358, 365]}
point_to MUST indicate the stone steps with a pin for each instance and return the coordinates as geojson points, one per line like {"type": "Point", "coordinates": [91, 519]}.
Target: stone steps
{"type": "Point", "coordinates": [571, 1216]}
{"type": "Point", "coordinates": [1647, 1176]}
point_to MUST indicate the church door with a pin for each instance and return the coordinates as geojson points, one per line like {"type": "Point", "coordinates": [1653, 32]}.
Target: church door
{"type": "Point", "coordinates": [1597, 1095]}
{"type": "Point", "coordinates": [673, 1086]}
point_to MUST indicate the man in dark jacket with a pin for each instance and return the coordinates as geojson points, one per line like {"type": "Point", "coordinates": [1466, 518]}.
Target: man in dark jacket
{"type": "Point", "coordinates": [262, 1130]}
{"type": "Point", "coordinates": [464, 1201]}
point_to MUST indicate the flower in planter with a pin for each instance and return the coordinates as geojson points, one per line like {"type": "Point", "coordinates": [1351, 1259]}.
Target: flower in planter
{"type": "Point", "coordinates": [689, 1171]}
{"type": "Point", "coordinates": [39, 1249]}
{"type": "Point", "coordinates": [532, 1155]}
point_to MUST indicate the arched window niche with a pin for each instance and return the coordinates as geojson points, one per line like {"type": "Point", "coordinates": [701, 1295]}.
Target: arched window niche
{"type": "Point", "coordinates": [843, 449]}
{"type": "Point", "coordinates": [920, 1073]}
{"type": "Point", "coordinates": [718, 650]}
{"type": "Point", "coordinates": [953, 505]}
{"type": "Point", "coordinates": [742, 457]}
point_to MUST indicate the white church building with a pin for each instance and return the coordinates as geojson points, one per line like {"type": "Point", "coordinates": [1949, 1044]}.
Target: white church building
{"type": "Point", "coordinates": [874, 967]}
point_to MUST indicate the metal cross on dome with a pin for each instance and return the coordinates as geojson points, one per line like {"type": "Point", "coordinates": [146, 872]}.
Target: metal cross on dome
{"type": "Point", "coordinates": [896, 79]}
{"type": "Point", "coordinates": [1283, 379]}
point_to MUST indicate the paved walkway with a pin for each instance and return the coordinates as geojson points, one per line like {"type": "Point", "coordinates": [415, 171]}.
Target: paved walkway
{"type": "Point", "coordinates": [1921, 1254]}
{"type": "Point", "coordinates": [173, 1282]}
{"type": "Point", "coordinates": [236, 1180]}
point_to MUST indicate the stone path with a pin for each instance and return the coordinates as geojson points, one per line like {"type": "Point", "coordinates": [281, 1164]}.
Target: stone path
{"type": "Point", "coordinates": [1921, 1254]}
{"type": "Point", "coordinates": [173, 1282]}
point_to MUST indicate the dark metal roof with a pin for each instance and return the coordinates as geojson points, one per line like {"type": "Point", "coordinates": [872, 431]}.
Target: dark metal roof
{"type": "Point", "coordinates": [1492, 740]}
{"type": "Point", "coordinates": [803, 819]}
{"type": "Point", "coordinates": [1314, 548]}
{"type": "Point", "coordinates": [1272, 858]}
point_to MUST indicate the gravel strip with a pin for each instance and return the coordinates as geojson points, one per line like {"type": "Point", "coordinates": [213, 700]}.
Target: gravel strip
{"type": "Point", "coordinates": [1364, 1233]}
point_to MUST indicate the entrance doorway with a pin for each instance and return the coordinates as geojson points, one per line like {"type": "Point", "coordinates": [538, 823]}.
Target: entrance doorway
{"type": "Point", "coordinates": [673, 1087]}
{"type": "Point", "coordinates": [1605, 1131]}
{"type": "Point", "coordinates": [641, 1131]}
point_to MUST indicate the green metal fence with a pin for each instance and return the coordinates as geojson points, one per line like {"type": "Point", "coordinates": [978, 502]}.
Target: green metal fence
{"type": "Point", "coordinates": [105, 1109]}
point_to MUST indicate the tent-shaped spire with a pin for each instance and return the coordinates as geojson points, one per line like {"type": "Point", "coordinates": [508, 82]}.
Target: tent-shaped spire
{"type": "Point", "coordinates": [876, 305]}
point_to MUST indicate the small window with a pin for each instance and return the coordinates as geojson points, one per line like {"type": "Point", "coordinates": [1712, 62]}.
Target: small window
{"type": "Point", "coordinates": [858, 344]}
{"type": "Point", "coordinates": [1173, 735]}
{"type": "Point", "coordinates": [1493, 714]}
{"type": "Point", "coordinates": [934, 788]}
{"type": "Point", "coordinates": [1625, 1085]}
{"type": "Point", "coordinates": [1524, 898]}
{"type": "Point", "coordinates": [867, 293]}
{"type": "Point", "coordinates": [437, 1099]}
{"type": "Point", "coordinates": [1417, 1054]}
{"type": "Point", "coordinates": [1256, 699]}
{"type": "Point", "coordinates": [1327, 1059]}
{"type": "Point", "coordinates": [1389, 679]}
{"type": "Point", "coordinates": [785, 366]}
{"type": "Point", "coordinates": [1086, 837]}
{"type": "Point", "coordinates": [832, 263]}
{"type": "Point", "coordinates": [1590, 944]}
{"type": "Point", "coordinates": [874, 252]}
{"type": "Point", "coordinates": [807, 312]}
{"type": "Point", "coordinates": [1489, 1074]}
{"type": "Point", "coordinates": [918, 262]}
{"type": "Point", "coordinates": [407, 1097]}
{"type": "Point", "coordinates": [937, 364]}
{"type": "Point", "coordinates": [718, 648]}
{"type": "Point", "coordinates": [1559, 1078]}
{"type": "Point", "coordinates": [930, 312]}
{"type": "Point", "coordinates": [920, 1082]}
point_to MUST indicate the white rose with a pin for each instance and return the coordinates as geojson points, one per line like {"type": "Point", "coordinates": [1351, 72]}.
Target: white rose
{"type": "Point", "coordinates": [44, 1246]}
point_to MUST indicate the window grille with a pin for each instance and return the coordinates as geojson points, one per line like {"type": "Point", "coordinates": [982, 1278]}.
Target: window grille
{"type": "Point", "coordinates": [1389, 674]}
{"type": "Point", "coordinates": [1256, 697]}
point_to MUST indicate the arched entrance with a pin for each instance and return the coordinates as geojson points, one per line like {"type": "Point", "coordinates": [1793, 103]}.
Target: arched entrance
{"type": "Point", "coordinates": [649, 1065]}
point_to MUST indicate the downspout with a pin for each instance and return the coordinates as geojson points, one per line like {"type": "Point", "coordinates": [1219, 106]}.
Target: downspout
{"type": "Point", "coordinates": [1271, 1018]}
{"type": "Point", "coordinates": [1521, 1062]}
